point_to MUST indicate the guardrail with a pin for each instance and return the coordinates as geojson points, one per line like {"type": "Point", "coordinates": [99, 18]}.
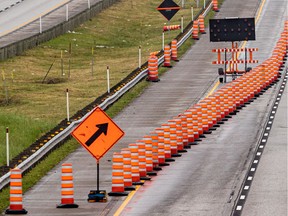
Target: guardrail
{"type": "Point", "coordinates": [60, 137]}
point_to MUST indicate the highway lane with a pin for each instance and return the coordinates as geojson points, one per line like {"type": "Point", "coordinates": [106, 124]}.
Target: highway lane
{"type": "Point", "coordinates": [26, 12]}
{"type": "Point", "coordinates": [178, 89]}
{"type": "Point", "coordinates": [268, 194]}
{"type": "Point", "coordinates": [22, 20]}
{"type": "Point", "coordinates": [206, 180]}
{"type": "Point", "coordinates": [7, 4]}
{"type": "Point", "coordinates": [210, 171]}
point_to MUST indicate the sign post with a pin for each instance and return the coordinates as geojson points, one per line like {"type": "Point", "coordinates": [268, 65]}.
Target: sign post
{"type": "Point", "coordinates": [97, 134]}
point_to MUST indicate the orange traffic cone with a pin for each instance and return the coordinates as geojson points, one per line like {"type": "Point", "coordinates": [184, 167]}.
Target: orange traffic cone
{"type": "Point", "coordinates": [167, 56]}
{"type": "Point", "coordinates": [153, 69]}
{"type": "Point", "coordinates": [161, 147]}
{"type": "Point", "coordinates": [117, 176]}
{"type": "Point", "coordinates": [135, 164]}
{"type": "Point", "coordinates": [16, 206]}
{"type": "Point", "coordinates": [67, 187]}
{"type": "Point", "coordinates": [142, 160]}
{"type": "Point", "coordinates": [195, 30]}
{"type": "Point", "coordinates": [174, 50]}
{"type": "Point", "coordinates": [202, 24]}
{"type": "Point", "coordinates": [127, 169]}
{"type": "Point", "coordinates": [215, 5]}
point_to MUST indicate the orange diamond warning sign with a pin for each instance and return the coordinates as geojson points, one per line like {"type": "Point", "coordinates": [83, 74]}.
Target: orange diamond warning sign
{"type": "Point", "coordinates": [97, 133]}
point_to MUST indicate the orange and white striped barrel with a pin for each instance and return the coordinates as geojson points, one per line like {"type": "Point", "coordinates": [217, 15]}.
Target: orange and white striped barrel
{"type": "Point", "coordinates": [134, 163]}
{"type": "Point", "coordinates": [142, 159]}
{"type": "Point", "coordinates": [173, 138]}
{"type": "Point", "coordinates": [194, 124]}
{"type": "Point", "coordinates": [67, 187]}
{"type": "Point", "coordinates": [216, 103]}
{"type": "Point", "coordinates": [204, 116]}
{"type": "Point", "coordinates": [167, 56]}
{"type": "Point", "coordinates": [215, 5]}
{"type": "Point", "coordinates": [179, 134]}
{"type": "Point", "coordinates": [153, 69]}
{"type": "Point", "coordinates": [167, 145]}
{"type": "Point", "coordinates": [199, 119]}
{"type": "Point", "coordinates": [154, 137]}
{"type": "Point", "coordinates": [127, 169]}
{"type": "Point", "coordinates": [201, 24]}
{"type": "Point", "coordinates": [171, 27]}
{"type": "Point", "coordinates": [211, 120]}
{"type": "Point", "coordinates": [117, 176]}
{"type": "Point", "coordinates": [149, 153]}
{"type": "Point", "coordinates": [161, 147]}
{"type": "Point", "coordinates": [195, 30]}
{"type": "Point", "coordinates": [189, 117]}
{"type": "Point", "coordinates": [16, 201]}
{"type": "Point", "coordinates": [184, 129]}
{"type": "Point", "coordinates": [174, 53]}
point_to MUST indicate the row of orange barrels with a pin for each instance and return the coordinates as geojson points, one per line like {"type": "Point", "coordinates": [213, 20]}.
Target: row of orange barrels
{"type": "Point", "coordinates": [146, 155]}
{"type": "Point", "coordinates": [170, 53]}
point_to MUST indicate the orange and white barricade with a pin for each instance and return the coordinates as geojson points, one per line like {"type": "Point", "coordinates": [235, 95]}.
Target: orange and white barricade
{"type": "Point", "coordinates": [117, 176]}
{"type": "Point", "coordinates": [127, 169]}
{"type": "Point", "coordinates": [174, 52]}
{"type": "Point", "coordinates": [161, 147]}
{"type": "Point", "coordinates": [142, 160]}
{"type": "Point", "coordinates": [215, 5]}
{"type": "Point", "coordinates": [149, 155]}
{"type": "Point", "coordinates": [201, 24]}
{"type": "Point", "coordinates": [16, 204]}
{"type": "Point", "coordinates": [171, 27]}
{"type": "Point", "coordinates": [135, 171]}
{"type": "Point", "coordinates": [153, 69]}
{"type": "Point", "coordinates": [195, 31]}
{"type": "Point", "coordinates": [67, 187]}
{"type": "Point", "coordinates": [167, 56]}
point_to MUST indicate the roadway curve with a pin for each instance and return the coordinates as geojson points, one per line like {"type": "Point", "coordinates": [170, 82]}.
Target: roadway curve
{"type": "Point", "coordinates": [22, 20]}
{"type": "Point", "coordinates": [206, 179]}
{"type": "Point", "coordinates": [26, 12]}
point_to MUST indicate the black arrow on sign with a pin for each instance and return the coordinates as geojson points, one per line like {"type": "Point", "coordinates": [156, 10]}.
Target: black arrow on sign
{"type": "Point", "coordinates": [102, 129]}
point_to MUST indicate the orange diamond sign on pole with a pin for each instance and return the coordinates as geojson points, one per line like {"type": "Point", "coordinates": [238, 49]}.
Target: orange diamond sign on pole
{"type": "Point", "coordinates": [97, 133]}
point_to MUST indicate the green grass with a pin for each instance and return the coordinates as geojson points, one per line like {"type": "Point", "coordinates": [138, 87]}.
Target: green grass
{"type": "Point", "coordinates": [115, 35]}
{"type": "Point", "coordinates": [21, 130]}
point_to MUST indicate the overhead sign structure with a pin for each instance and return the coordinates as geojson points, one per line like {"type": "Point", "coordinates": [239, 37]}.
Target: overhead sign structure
{"type": "Point", "coordinates": [232, 29]}
{"type": "Point", "coordinates": [168, 8]}
{"type": "Point", "coordinates": [97, 133]}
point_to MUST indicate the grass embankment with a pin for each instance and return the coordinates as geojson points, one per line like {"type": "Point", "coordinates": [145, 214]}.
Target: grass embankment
{"type": "Point", "coordinates": [55, 157]}
{"type": "Point", "coordinates": [114, 35]}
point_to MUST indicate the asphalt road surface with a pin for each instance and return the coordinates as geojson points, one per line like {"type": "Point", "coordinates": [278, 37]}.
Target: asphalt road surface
{"type": "Point", "coordinates": [205, 180]}
{"type": "Point", "coordinates": [23, 20]}
{"type": "Point", "coordinates": [24, 13]}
